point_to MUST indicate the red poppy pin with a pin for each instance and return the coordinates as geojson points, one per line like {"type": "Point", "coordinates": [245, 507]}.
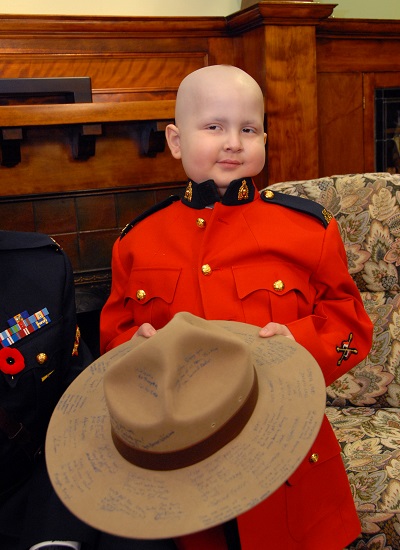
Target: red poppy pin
{"type": "Point", "coordinates": [11, 361]}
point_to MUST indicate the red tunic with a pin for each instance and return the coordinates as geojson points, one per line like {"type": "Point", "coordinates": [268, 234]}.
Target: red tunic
{"type": "Point", "coordinates": [254, 261]}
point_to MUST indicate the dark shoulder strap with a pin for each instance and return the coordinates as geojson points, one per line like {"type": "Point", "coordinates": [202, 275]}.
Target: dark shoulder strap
{"type": "Point", "coordinates": [159, 206]}
{"type": "Point", "coordinates": [306, 206]}
{"type": "Point", "coordinates": [16, 240]}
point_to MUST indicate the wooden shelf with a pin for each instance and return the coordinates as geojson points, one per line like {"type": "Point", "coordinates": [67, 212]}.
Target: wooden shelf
{"type": "Point", "coordinates": [85, 113]}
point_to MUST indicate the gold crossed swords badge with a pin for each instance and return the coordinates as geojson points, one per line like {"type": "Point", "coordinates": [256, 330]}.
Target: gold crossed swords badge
{"type": "Point", "coordinates": [345, 349]}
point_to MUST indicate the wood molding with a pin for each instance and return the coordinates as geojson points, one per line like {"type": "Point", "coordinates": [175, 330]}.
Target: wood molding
{"type": "Point", "coordinates": [279, 13]}
{"type": "Point", "coordinates": [107, 26]}
{"type": "Point", "coordinates": [303, 12]}
{"type": "Point", "coordinates": [84, 113]}
{"type": "Point", "coordinates": [247, 3]}
{"type": "Point", "coordinates": [367, 29]}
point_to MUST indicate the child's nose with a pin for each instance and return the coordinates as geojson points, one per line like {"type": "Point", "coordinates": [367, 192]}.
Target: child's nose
{"type": "Point", "coordinates": [233, 141]}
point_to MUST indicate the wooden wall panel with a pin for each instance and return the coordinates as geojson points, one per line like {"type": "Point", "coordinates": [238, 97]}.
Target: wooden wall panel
{"type": "Point", "coordinates": [46, 154]}
{"type": "Point", "coordinates": [222, 51]}
{"type": "Point", "coordinates": [290, 90]}
{"type": "Point", "coordinates": [340, 112]}
{"type": "Point", "coordinates": [353, 57]}
{"type": "Point", "coordinates": [129, 76]}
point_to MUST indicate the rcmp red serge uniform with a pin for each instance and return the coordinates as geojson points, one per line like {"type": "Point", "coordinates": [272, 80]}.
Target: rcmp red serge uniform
{"type": "Point", "coordinates": [253, 258]}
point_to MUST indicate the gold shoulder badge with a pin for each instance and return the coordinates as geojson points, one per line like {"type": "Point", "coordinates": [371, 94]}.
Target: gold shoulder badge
{"type": "Point", "coordinates": [189, 192]}
{"type": "Point", "coordinates": [298, 203]}
{"type": "Point", "coordinates": [243, 193]}
{"type": "Point", "coordinates": [327, 215]}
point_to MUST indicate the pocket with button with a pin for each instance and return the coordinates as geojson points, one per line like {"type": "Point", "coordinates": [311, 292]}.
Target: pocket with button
{"type": "Point", "coordinates": [276, 291]}
{"type": "Point", "coordinates": [40, 351]}
{"type": "Point", "coordinates": [150, 292]}
{"type": "Point", "coordinates": [141, 294]}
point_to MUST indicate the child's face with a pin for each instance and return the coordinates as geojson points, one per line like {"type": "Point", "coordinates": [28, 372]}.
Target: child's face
{"type": "Point", "coordinates": [219, 133]}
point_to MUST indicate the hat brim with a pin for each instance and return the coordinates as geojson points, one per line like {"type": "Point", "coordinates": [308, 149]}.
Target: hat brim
{"type": "Point", "coordinates": [107, 492]}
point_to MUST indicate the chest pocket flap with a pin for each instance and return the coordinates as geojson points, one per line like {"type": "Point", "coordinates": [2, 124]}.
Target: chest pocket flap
{"type": "Point", "coordinates": [146, 284]}
{"type": "Point", "coordinates": [280, 278]}
{"type": "Point", "coordinates": [279, 292]}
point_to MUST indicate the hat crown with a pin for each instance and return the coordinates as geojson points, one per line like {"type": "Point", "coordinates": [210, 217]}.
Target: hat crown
{"type": "Point", "coordinates": [178, 387]}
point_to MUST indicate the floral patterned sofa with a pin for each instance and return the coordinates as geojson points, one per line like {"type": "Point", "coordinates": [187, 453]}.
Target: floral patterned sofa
{"type": "Point", "coordinates": [364, 405]}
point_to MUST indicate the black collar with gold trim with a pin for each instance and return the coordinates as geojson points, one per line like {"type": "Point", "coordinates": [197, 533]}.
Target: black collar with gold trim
{"type": "Point", "coordinates": [200, 195]}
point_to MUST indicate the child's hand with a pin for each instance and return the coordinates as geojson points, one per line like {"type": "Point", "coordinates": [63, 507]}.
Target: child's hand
{"type": "Point", "coordinates": [271, 329]}
{"type": "Point", "coordinates": [145, 330]}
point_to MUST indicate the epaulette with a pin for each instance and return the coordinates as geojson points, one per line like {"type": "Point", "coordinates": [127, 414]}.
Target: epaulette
{"type": "Point", "coordinates": [159, 206]}
{"type": "Point", "coordinates": [17, 240]}
{"type": "Point", "coordinates": [300, 204]}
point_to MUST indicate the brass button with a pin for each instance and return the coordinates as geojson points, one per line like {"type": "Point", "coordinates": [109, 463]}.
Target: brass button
{"type": "Point", "coordinates": [201, 222]}
{"type": "Point", "coordinates": [140, 295]}
{"type": "Point", "coordinates": [279, 285]}
{"type": "Point", "coordinates": [268, 194]}
{"type": "Point", "coordinates": [314, 458]}
{"type": "Point", "coordinates": [206, 269]}
{"type": "Point", "coordinates": [41, 358]}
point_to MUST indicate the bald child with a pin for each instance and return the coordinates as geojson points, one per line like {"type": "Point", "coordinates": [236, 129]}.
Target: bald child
{"type": "Point", "coordinates": [226, 251]}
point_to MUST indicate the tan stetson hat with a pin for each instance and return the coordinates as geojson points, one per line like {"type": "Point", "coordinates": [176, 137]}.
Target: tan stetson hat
{"type": "Point", "coordinates": [208, 417]}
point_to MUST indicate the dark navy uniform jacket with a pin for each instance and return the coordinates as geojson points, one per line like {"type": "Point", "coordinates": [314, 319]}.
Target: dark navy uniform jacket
{"type": "Point", "coordinates": [38, 337]}
{"type": "Point", "coordinates": [40, 354]}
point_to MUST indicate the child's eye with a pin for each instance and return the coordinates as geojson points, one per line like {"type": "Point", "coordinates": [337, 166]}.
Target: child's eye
{"type": "Point", "coordinates": [248, 130]}
{"type": "Point", "coordinates": [213, 127]}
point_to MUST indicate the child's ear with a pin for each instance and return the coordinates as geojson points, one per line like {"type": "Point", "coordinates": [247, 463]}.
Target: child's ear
{"type": "Point", "coordinates": [173, 139]}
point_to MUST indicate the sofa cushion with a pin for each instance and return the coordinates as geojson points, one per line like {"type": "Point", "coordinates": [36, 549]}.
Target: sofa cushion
{"type": "Point", "coordinates": [367, 209]}
{"type": "Point", "coordinates": [370, 442]}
